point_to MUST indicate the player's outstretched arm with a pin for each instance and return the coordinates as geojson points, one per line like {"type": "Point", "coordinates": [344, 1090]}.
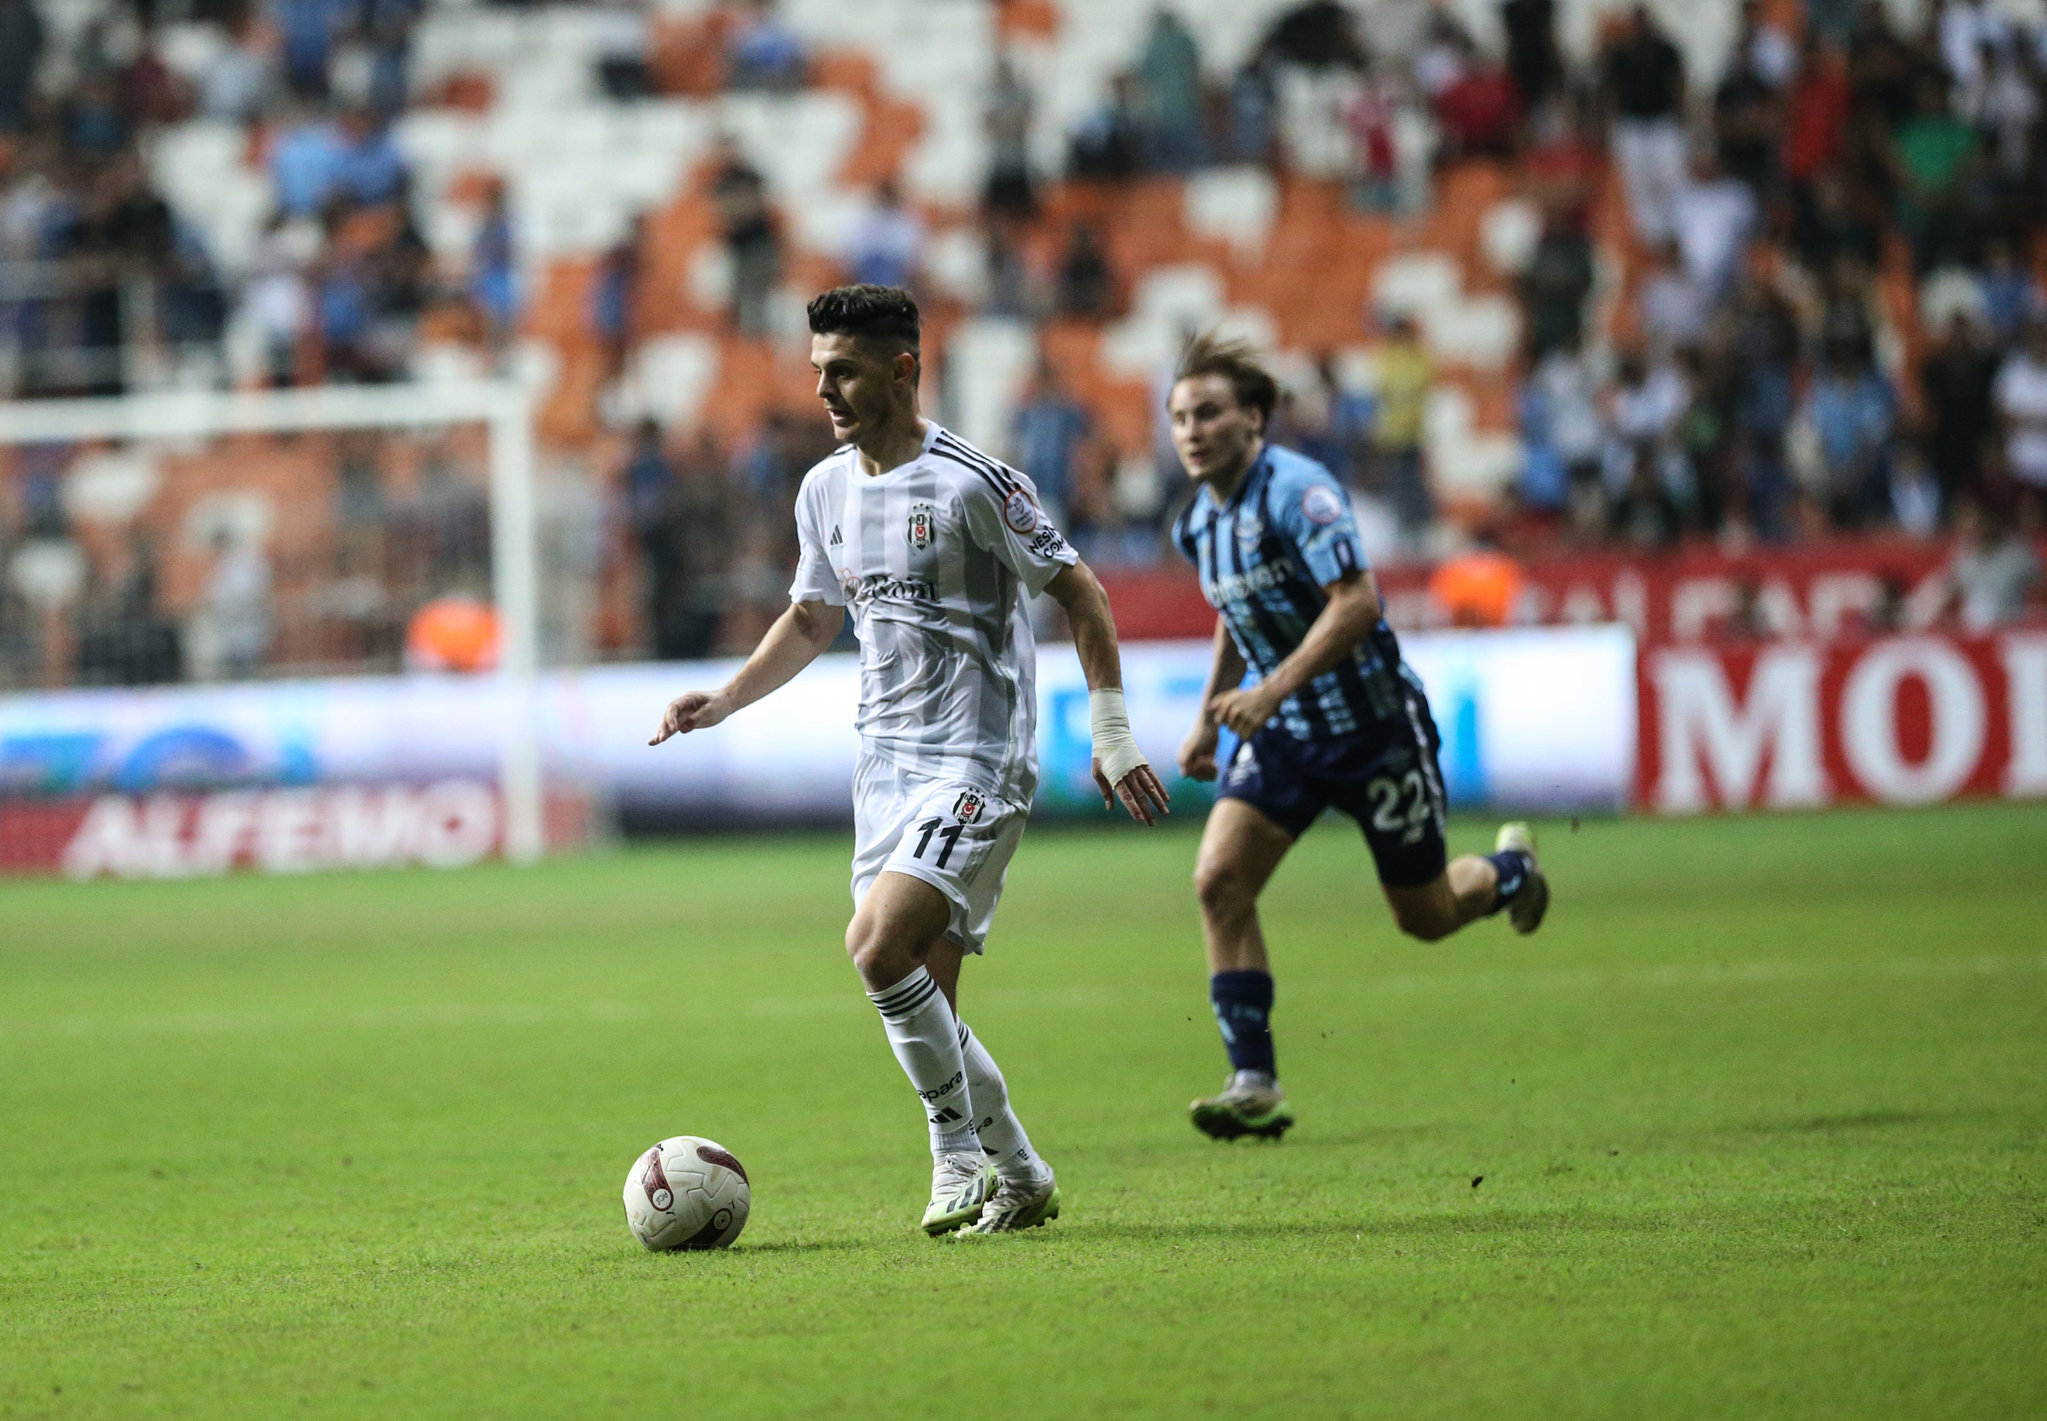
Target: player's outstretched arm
{"type": "Point", "coordinates": [792, 643]}
{"type": "Point", "coordinates": [1226, 673]}
{"type": "Point", "coordinates": [1121, 771]}
{"type": "Point", "coordinates": [1341, 627]}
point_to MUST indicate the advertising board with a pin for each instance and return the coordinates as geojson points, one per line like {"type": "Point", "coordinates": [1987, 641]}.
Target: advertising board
{"type": "Point", "coordinates": [275, 774]}
{"type": "Point", "coordinates": [1900, 720]}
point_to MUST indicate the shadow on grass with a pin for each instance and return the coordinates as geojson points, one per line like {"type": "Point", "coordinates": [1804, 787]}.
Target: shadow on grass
{"type": "Point", "coordinates": [1857, 1120]}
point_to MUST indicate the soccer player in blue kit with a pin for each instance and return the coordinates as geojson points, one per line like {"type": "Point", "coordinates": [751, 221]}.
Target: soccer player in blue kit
{"type": "Point", "coordinates": [1330, 718]}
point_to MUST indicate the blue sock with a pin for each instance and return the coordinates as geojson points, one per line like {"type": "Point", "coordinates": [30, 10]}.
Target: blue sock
{"type": "Point", "coordinates": [1243, 1012]}
{"type": "Point", "coordinates": [1513, 866]}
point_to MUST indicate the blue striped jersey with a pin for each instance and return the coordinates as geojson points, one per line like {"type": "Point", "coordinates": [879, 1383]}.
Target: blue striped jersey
{"type": "Point", "coordinates": [1264, 556]}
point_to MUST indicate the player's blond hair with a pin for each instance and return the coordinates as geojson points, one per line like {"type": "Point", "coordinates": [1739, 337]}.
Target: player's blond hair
{"type": "Point", "coordinates": [1237, 361]}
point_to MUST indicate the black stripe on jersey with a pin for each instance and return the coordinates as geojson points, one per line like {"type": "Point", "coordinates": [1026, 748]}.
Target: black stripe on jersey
{"type": "Point", "coordinates": [1269, 630]}
{"type": "Point", "coordinates": [1001, 493]}
{"type": "Point", "coordinates": [966, 453]}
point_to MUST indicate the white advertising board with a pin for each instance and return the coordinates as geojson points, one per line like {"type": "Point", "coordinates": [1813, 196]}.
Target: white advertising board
{"type": "Point", "coordinates": [1541, 719]}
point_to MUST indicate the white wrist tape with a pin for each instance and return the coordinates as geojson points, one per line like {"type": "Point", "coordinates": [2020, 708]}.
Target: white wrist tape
{"type": "Point", "coordinates": [1115, 746]}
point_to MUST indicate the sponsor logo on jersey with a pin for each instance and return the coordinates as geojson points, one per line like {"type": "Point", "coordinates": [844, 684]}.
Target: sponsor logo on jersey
{"type": "Point", "coordinates": [1047, 541]}
{"type": "Point", "coordinates": [967, 808]}
{"type": "Point", "coordinates": [1020, 513]}
{"type": "Point", "coordinates": [1237, 585]}
{"type": "Point", "coordinates": [879, 586]}
{"type": "Point", "coordinates": [1321, 505]}
{"type": "Point", "coordinates": [923, 525]}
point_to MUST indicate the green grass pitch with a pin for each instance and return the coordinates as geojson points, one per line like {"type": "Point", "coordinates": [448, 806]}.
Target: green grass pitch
{"type": "Point", "coordinates": [1754, 1127]}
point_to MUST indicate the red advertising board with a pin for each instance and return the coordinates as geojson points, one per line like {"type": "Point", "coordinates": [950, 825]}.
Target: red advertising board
{"type": "Point", "coordinates": [1820, 591]}
{"type": "Point", "coordinates": [1897, 720]}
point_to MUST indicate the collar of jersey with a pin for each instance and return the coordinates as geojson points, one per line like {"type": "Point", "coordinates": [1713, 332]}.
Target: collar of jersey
{"type": "Point", "coordinates": [932, 429]}
{"type": "Point", "coordinates": [1236, 498]}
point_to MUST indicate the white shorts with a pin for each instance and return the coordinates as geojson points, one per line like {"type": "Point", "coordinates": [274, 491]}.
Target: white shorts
{"type": "Point", "coordinates": [957, 838]}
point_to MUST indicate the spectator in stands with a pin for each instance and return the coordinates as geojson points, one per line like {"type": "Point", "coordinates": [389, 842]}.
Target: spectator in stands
{"type": "Point", "coordinates": [236, 607]}
{"type": "Point", "coordinates": [1936, 153]}
{"type": "Point", "coordinates": [1748, 107]}
{"type": "Point", "coordinates": [1554, 287]}
{"type": "Point", "coordinates": [615, 296]}
{"type": "Point", "coordinates": [1955, 381]}
{"type": "Point", "coordinates": [1560, 414]}
{"type": "Point", "coordinates": [649, 494]}
{"type": "Point", "coordinates": [2021, 395]}
{"type": "Point", "coordinates": [1648, 484]}
{"type": "Point", "coordinates": [624, 49]}
{"type": "Point", "coordinates": [494, 272]}
{"type": "Point", "coordinates": [1853, 414]}
{"type": "Point", "coordinates": [1826, 224]}
{"type": "Point", "coordinates": [307, 164]}
{"type": "Point", "coordinates": [2011, 294]}
{"type": "Point", "coordinates": [307, 29]}
{"type": "Point", "coordinates": [1322, 34]}
{"type": "Point", "coordinates": [1406, 376]}
{"type": "Point", "coordinates": [751, 239]}
{"type": "Point", "coordinates": [1562, 168]}
{"type": "Point", "coordinates": [1645, 89]}
{"type": "Point", "coordinates": [888, 245]}
{"type": "Point", "coordinates": [1532, 56]}
{"type": "Point", "coordinates": [763, 52]}
{"type": "Point", "coordinates": [1108, 144]}
{"type": "Point", "coordinates": [1372, 115]}
{"type": "Point", "coordinates": [1815, 110]}
{"type": "Point", "coordinates": [1673, 307]}
{"type": "Point", "coordinates": [1169, 89]}
{"type": "Point", "coordinates": [1716, 217]}
{"type": "Point", "coordinates": [1086, 283]}
{"type": "Point", "coordinates": [1995, 571]}
{"type": "Point", "coordinates": [372, 171]}
{"type": "Point", "coordinates": [121, 230]}
{"type": "Point", "coordinates": [1478, 110]}
{"type": "Point", "coordinates": [1478, 586]}
{"type": "Point", "coordinates": [276, 305]}
{"type": "Point", "coordinates": [22, 37]}
{"type": "Point", "coordinates": [240, 81]}
{"type": "Point", "coordinates": [1009, 192]}
{"type": "Point", "coordinates": [1046, 437]}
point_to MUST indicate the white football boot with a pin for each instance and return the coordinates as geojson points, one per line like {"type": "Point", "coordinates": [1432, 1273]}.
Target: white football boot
{"type": "Point", "coordinates": [1018, 1204]}
{"type": "Point", "coordinates": [1526, 911]}
{"type": "Point", "coordinates": [960, 1186]}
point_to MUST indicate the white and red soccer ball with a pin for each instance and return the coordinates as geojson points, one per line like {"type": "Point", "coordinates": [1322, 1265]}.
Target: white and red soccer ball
{"type": "Point", "coordinates": [687, 1192]}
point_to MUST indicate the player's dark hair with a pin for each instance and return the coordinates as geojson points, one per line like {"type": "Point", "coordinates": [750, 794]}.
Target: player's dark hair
{"type": "Point", "coordinates": [1236, 361]}
{"type": "Point", "coordinates": [878, 313]}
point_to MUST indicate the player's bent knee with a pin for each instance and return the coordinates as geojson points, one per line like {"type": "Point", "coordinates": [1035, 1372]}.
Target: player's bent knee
{"type": "Point", "coordinates": [1223, 889]}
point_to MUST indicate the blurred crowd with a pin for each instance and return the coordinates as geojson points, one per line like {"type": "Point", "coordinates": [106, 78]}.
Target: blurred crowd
{"type": "Point", "coordinates": [1820, 310]}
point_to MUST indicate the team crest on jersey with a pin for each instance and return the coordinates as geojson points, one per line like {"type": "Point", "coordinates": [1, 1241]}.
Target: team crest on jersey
{"type": "Point", "coordinates": [1020, 513]}
{"type": "Point", "coordinates": [1321, 505]}
{"type": "Point", "coordinates": [1250, 530]}
{"type": "Point", "coordinates": [967, 808]}
{"type": "Point", "coordinates": [923, 525]}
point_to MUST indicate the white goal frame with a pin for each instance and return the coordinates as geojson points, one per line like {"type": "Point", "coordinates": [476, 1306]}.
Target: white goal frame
{"type": "Point", "coordinates": [502, 407]}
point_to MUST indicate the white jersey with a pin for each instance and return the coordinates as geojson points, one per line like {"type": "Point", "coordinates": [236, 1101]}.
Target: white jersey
{"type": "Point", "coordinates": [935, 559]}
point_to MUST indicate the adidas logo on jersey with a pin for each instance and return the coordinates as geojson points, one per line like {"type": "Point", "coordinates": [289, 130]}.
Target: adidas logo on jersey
{"type": "Point", "coordinates": [837, 541]}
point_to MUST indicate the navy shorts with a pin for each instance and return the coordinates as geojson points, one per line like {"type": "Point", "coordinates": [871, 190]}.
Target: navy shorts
{"type": "Point", "coordinates": [1386, 780]}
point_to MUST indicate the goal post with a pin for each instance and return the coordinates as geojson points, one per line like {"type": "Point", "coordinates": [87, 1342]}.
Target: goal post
{"type": "Point", "coordinates": [502, 408]}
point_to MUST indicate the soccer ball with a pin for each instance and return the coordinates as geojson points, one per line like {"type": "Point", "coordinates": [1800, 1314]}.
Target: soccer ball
{"type": "Point", "coordinates": [687, 1192]}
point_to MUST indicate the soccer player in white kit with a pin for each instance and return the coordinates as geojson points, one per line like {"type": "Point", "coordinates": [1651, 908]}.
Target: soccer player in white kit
{"type": "Point", "coordinates": [934, 547]}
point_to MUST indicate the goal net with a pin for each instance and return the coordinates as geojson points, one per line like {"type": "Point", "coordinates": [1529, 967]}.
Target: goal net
{"type": "Point", "coordinates": [291, 629]}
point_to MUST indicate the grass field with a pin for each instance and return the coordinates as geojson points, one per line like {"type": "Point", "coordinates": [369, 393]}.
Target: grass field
{"type": "Point", "coordinates": [1758, 1119]}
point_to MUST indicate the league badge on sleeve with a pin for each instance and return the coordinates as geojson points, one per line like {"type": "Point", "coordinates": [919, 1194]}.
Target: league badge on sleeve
{"type": "Point", "coordinates": [923, 525]}
{"type": "Point", "coordinates": [1322, 505]}
{"type": "Point", "coordinates": [1020, 513]}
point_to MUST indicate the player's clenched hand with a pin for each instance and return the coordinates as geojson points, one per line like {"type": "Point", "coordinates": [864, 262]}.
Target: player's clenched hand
{"type": "Point", "coordinates": [699, 710]}
{"type": "Point", "coordinates": [1245, 711]}
{"type": "Point", "coordinates": [1142, 794]}
{"type": "Point", "coordinates": [1197, 751]}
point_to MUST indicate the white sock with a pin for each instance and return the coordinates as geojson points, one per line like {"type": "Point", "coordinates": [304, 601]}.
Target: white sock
{"type": "Point", "coordinates": [1002, 1134]}
{"type": "Point", "coordinates": [920, 1031]}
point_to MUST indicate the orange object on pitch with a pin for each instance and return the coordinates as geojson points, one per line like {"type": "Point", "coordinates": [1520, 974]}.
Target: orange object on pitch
{"type": "Point", "coordinates": [1478, 588]}
{"type": "Point", "coordinates": [452, 634]}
